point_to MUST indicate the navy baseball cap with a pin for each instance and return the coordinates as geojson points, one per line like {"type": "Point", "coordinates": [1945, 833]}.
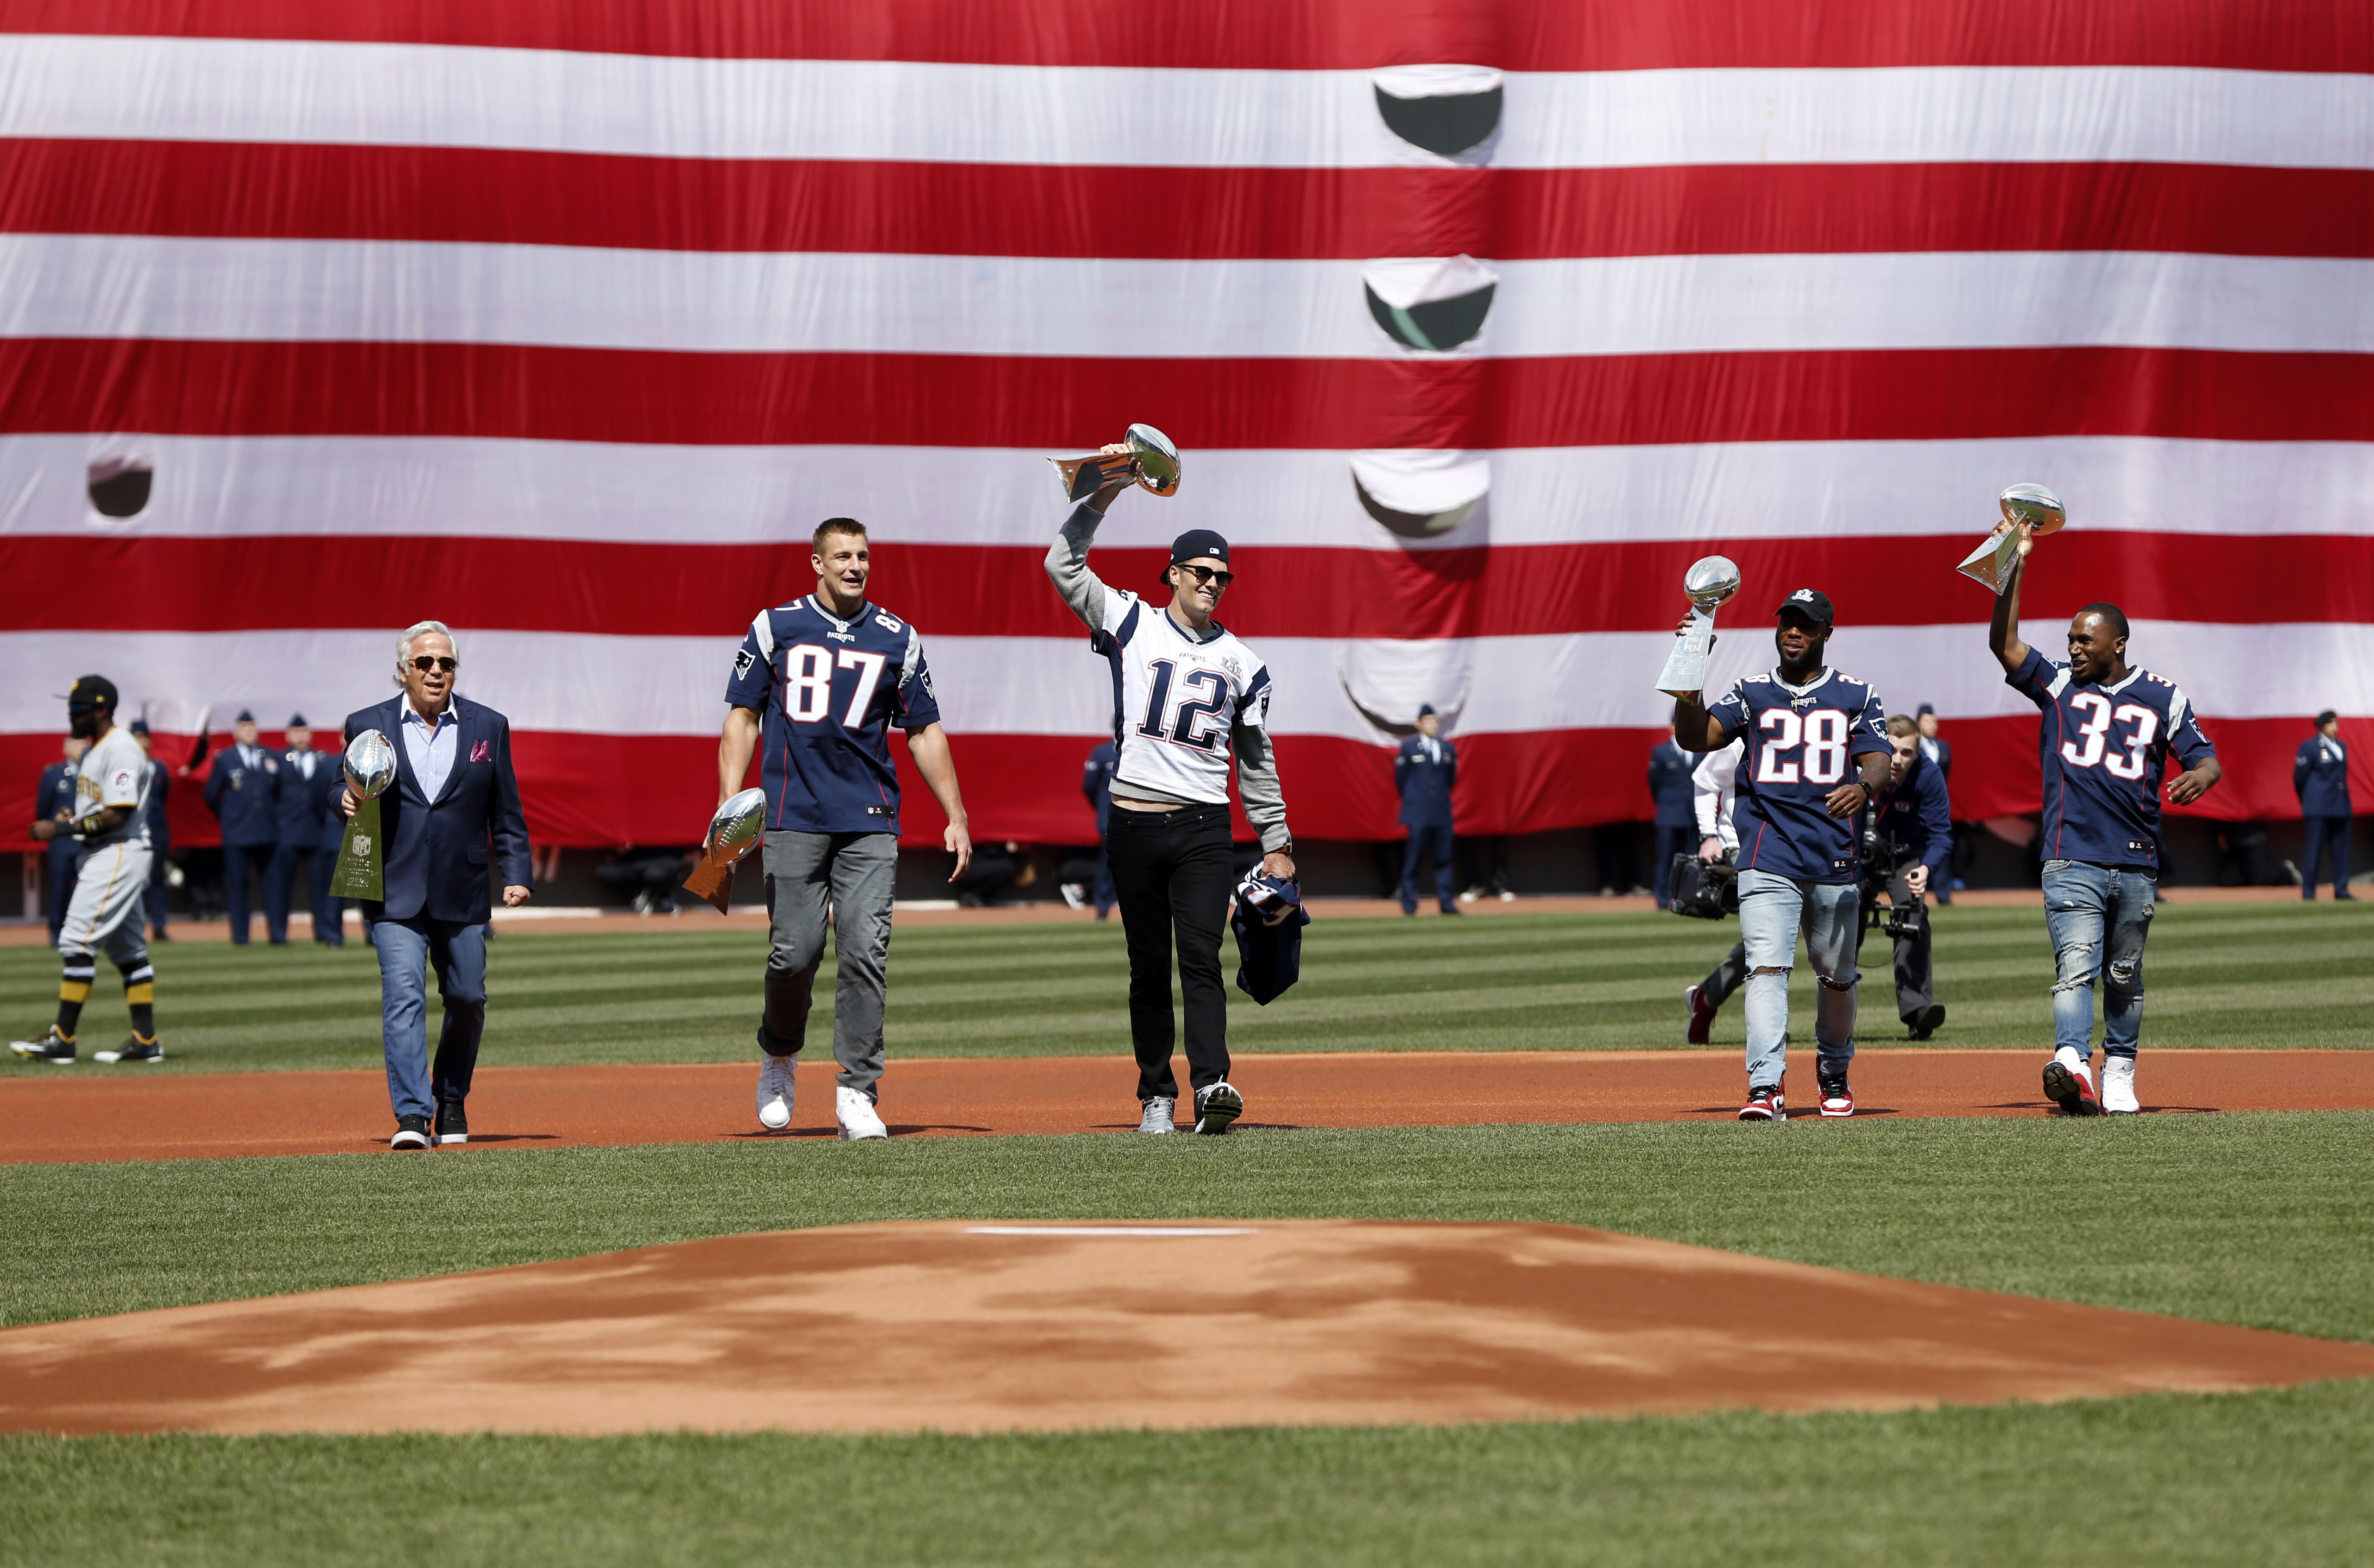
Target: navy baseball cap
{"type": "Point", "coordinates": [1924, 708]}
{"type": "Point", "coordinates": [91, 692]}
{"type": "Point", "coordinates": [1197, 543]}
{"type": "Point", "coordinates": [140, 727]}
{"type": "Point", "coordinates": [1811, 602]}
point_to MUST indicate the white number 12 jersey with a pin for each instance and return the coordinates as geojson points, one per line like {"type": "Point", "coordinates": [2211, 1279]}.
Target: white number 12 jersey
{"type": "Point", "coordinates": [1176, 698]}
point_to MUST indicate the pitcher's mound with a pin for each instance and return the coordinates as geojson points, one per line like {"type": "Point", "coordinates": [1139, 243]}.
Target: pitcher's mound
{"type": "Point", "coordinates": [981, 1327]}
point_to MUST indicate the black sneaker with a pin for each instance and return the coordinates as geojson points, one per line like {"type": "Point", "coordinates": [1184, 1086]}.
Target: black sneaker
{"type": "Point", "coordinates": [1923, 1024]}
{"type": "Point", "coordinates": [1217, 1105]}
{"type": "Point", "coordinates": [133, 1049]}
{"type": "Point", "coordinates": [411, 1132]}
{"type": "Point", "coordinates": [453, 1127]}
{"type": "Point", "coordinates": [50, 1047]}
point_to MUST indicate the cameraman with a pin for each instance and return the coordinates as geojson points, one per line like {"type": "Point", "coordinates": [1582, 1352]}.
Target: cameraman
{"type": "Point", "coordinates": [1906, 838]}
{"type": "Point", "coordinates": [1712, 798]}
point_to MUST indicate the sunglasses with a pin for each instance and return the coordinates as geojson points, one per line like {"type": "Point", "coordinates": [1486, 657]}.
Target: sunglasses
{"type": "Point", "coordinates": [427, 662]}
{"type": "Point", "coordinates": [1205, 574]}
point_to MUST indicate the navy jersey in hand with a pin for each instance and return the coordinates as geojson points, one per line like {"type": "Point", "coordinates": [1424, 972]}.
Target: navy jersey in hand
{"type": "Point", "coordinates": [1800, 744]}
{"type": "Point", "coordinates": [2104, 749]}
{"type": "Point", "coordinates": [830, 690]}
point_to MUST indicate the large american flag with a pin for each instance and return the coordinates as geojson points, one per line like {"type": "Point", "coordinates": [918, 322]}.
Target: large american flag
{"type": "Point", "coordinates": [564, 322]}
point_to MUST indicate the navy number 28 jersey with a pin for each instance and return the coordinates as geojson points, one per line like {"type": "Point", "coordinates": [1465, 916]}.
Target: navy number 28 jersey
{"type": "Point", "coordinates": [828, 691]}
{"type": "Point", "coordinates": [2105, 749]}
{"type": "Point", "coordinates": [1800, 744]}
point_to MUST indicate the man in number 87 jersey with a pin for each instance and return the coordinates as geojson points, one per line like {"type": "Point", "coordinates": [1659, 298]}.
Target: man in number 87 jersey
{"type": "Point", "coordinates": [1815, 754]}
{"type": "Point", "coordinates": [1186, 695]}
{"type": "Point", "coordinates": [2106, 736]}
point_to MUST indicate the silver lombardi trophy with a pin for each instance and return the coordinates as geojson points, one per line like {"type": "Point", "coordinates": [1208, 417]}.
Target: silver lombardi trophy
{"type": "Point", "coordinates": [1709, 582]}
{"type": "Point", "coordinates": [361, 869]}
{"type": "Point", "coordinates": [1990, 563]}
{"type": "Point", "coordinates": [733, 831]}
{"type": "Point", "coordinates": [1149, 457]}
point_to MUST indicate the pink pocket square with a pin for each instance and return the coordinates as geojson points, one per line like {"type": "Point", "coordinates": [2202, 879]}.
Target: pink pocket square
{"type": "Point", "coordinates": [478, 752]}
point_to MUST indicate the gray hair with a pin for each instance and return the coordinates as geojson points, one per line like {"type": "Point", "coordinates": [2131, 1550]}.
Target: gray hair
{"type": "Point", "coordinates": [421, 628]}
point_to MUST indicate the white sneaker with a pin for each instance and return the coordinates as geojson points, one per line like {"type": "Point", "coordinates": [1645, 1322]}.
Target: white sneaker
{"type": "Point", "coordinates": [1074, 895]}
{"type": "Point", "coordinates": [775, 1087]}
{"type": "Point", "coordinates": [2119, 1086]}
{"type": "Point", "coordinates": [1218, 1105]}
{"type": "Point", "coordinates": [1161, 1115]}
{"type": "Point", "coordinates": [858, 1118]}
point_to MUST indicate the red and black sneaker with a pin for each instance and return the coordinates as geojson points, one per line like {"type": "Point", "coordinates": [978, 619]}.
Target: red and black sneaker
{"type": "Point", "coordinates": [2070, 1089]}
{"type": "Point", "coordinates": [1765, 1104]}
{"type": "Point", "coordinates": [1701, 1017]}
{"type": "Point", "coordinates": [1838, 1100]}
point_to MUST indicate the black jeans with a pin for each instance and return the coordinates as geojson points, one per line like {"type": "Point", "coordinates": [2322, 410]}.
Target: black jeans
{"type": "Point", "coordinates": [1174, 869]}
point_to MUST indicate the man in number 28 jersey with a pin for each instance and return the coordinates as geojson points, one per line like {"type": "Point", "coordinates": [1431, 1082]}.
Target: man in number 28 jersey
{"type": "Point", "coordinates": [1816, 753]}
{"type": "Point", "coordinates": [1186, 695]}
{"type": "Point", "coordinates": [817, 687]}
{"type": "Point", "coordinates": [2104, 739]}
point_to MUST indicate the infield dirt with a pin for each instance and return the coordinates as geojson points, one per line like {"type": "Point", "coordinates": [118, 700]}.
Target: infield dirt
{"type": "Point", "coordinates": [980, 1326]}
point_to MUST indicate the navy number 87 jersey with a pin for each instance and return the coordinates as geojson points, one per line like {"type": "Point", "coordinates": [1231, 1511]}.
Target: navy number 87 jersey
{"type": "Point", "coordinates": [2104, 749]}
{"type": "Point", "coordinates": [829, 692]}
{"type": "Point", "coordinates": [1801, 743]}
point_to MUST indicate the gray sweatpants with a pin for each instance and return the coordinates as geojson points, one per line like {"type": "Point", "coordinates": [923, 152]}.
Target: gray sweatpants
{"type": "Point", "coordinates": [851, 875]}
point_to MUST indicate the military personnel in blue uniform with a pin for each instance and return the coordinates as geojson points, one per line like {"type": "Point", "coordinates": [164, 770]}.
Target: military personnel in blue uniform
{"type": "Point", "coordinates": [54, 801]}
{"type": "Point", "coordinates": [1815, 755]}
{"type": "Point", "coordinates": [244, 792]}
{"type": "Point", "coordinates": [1096, 783]}
{"type": "Point", "coordinates": [1423, 775]}
{"type": "Point", "coordinates": [301, 804]}
{"type": "Point", "coordinates": [2321, 778]}
{"type": "Point", "coordinates": [160, 842]}
{"type": "Point", "coordinates": [1671, 770]}
{"type": "Point", "coordinates": [2104, 744]}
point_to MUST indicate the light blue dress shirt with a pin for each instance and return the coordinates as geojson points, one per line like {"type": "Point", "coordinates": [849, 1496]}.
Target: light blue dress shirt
{"type": "Point", "coordinates": [431, 750]}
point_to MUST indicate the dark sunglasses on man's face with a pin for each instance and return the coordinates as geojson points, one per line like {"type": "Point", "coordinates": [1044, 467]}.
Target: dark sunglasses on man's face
{"type": "Point", "coordinates": [427, 662]}
{"type": "Point", "coordinates": [1207, 574]}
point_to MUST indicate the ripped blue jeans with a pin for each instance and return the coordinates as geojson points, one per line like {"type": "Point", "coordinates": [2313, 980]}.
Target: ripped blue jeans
{"type": "Point", "coordinates": [2099, 917]}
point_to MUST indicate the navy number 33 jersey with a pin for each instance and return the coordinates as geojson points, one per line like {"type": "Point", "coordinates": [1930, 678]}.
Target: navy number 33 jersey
{"type": "Point", "coordinates": [828, 691]}
{"type": "Point", "coordinates": [1800, 744]}
{"type": "Point", "coordinates": [2105, 749]}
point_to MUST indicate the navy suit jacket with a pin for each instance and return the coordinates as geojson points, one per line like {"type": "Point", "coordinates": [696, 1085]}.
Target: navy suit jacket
{"type": "Point", "coordinates": [1096, 783]}
{"type": "Point", "coordinates": [301, 802]}
{"type": "Point", "coordinates": [2321, 775]}
{"type": "Point", "coordinates": [1670, 771]}
{"type": "Point", "coordinates": [57, 793]}
{"type": "Point", "coordinates": [437, 851]}
{"type": "Point", "coordinates": [161, 792]}
{"type": "Point", "coordinates": [1425, 787]}
{"type": "Point", "coordinates": [245, 800]}
{"type": "Point", "coordinates": [329, 784]}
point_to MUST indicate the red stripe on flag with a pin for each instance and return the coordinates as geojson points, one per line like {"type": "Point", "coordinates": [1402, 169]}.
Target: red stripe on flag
{"type": "Point", "coordinates": [1539, 35]}
{"type": "Point", "coordinates": [332, 581]}
{"type": "Point", "coordinates": [598, 791]}
{"type": "Point", "coordinates": [266, 190]}
{"type": "Point", "coordinates": [180, 388]}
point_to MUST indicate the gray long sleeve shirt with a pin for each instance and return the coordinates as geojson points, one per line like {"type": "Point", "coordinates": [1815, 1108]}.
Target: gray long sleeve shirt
{"type": "Point", "coordinates": [1256, 763]}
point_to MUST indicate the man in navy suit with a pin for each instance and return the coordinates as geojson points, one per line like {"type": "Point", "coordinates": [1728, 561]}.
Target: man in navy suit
{"type": "Point", "coordinates": [244, 792]}
{"type": "Point", "coordinates": [454, 805]}
{"type": "Point", "coordinates": [302, 769]}
{"type": "Point", "coordinates": [55, 802]}
{"type": "Point", "coordinates": [1671, 772]}
{"type": "Point", "coordinates": [1423, 775]}
{"type": "Point", "coordinates": [2320, 777]}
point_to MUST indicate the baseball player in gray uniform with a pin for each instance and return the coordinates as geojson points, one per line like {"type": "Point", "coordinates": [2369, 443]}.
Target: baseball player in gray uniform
{"type": "Point", "coordinates": [110, 818]}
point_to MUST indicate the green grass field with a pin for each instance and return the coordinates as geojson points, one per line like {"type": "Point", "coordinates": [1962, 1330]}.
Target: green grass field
{"type": "Point", "coordinates": [2216, 975]}
{"type": "Point", "coordinates": [2261, 1220]}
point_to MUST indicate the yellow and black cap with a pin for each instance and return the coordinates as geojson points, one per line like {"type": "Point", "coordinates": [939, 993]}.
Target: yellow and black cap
{"type": "Point", "coordinates": [91, 692]}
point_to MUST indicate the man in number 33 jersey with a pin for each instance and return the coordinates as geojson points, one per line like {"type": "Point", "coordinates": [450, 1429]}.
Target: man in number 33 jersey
{"type": "Point", "coordinates": [2106, 736]}
{"type": "Point", "coordinates": [1816, 753]}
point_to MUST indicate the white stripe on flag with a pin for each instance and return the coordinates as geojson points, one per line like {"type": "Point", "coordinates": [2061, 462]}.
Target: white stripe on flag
{"type": "Point", "coordinates": [1047, 685]}
{"type": "Point", "coordinates": [317, 290]}
{"type": "Point", "coordinates": [396, 487]}
{"type": "Point", "coordinates": [274, 90]}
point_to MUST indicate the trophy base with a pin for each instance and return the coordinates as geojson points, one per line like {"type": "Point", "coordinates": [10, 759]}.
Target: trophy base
{"type": "Point", "coordinates": [712, 880]}
{"type": "Point", "coordinates": [361, 872]}
{"type": "Point", "coordinates": [1685, 674]}
{"type": "Point", "coordinates": [1990, 563]}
